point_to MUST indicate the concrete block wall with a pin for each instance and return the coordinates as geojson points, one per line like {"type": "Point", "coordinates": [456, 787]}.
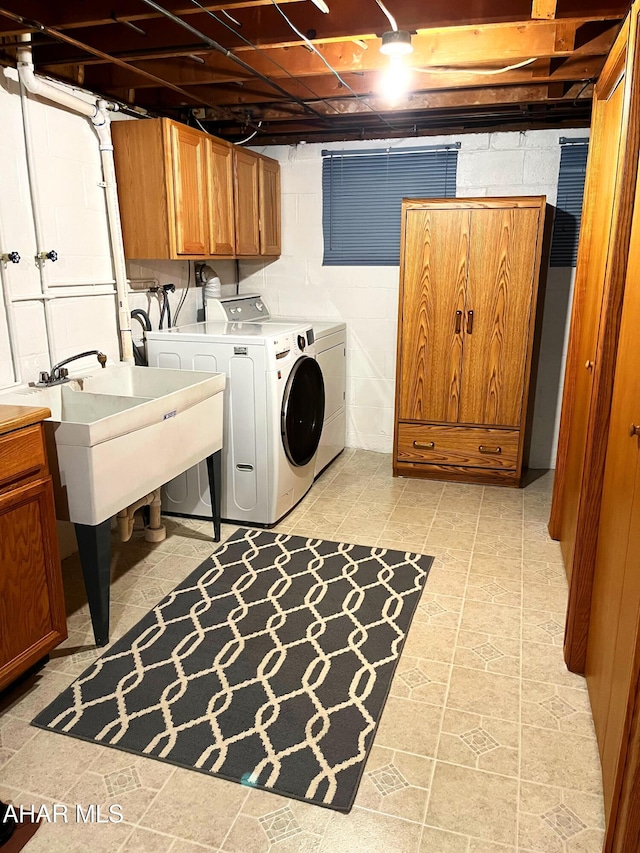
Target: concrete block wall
{"type": "Point", "coordinates": [366, 298]}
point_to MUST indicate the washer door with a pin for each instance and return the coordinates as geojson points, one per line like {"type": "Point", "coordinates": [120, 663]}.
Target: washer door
{"type": "Point", "coordinates": [302, 411]}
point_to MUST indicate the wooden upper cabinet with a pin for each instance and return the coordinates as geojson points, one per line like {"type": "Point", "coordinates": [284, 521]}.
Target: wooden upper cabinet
{"type": "Point", "coordinates": [502, 254]}
{"type": "Point", "coordinates": [269, 206]}
{"type": "Point", "coordinates": [436, 245]}
{"type": "Point", "coordinates": [188, 169]}
{"type": "Point", "coordinates": [247, 187]}
{"type": "Point", "coordinates": [186, 194]}
{"type": "Point", "coordinates": [222, 239]}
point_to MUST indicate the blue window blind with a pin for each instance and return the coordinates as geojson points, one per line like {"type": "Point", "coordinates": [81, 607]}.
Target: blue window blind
{"type": "Point", "coordinates": [361, 198]}
{"type": "Point", "coordinates": [566, 227]}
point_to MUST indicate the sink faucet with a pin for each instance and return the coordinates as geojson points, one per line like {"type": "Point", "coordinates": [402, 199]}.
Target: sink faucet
{"type": "Point", "coordinates": [59, 372]}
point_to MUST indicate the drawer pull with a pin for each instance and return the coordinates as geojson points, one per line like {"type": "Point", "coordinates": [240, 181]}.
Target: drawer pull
{"type": "Point", "coordinates": [421, 445]}
{"type": "Point", "coordinates": [494, 451]}
{"type": "Point", "coordinates": [458, 322]}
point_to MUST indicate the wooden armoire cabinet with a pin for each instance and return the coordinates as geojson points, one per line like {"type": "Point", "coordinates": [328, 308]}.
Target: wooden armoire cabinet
{"type": "Point", "coordinates": [468, 296]}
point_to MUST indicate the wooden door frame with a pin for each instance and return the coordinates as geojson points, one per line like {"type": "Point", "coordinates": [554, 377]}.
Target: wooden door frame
{"type": "Point", "coordinates": [623, 56]}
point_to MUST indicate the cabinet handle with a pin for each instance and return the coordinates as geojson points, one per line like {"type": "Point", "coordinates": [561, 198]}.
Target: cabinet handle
{"type": "Point", "coordinates": [421, 445]}
{"type": "Point", "coordinates": [469, 322]}
{"type": "Point", "coordinates": [458, 322]}
{"type": "Point", "coordinates": [634, 429]}
{"type": "Point", "coordinates": [588, 365]}
{"type": "Point", "coordinates": [495, 451]}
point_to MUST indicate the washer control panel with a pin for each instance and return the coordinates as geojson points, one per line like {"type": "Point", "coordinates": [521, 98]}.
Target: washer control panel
{"type": "Point", "coordinates": [229, 309]}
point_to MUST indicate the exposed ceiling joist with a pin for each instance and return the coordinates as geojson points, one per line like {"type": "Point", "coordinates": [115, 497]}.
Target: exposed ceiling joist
{"type": "Point", "coordinates": [486, 64]}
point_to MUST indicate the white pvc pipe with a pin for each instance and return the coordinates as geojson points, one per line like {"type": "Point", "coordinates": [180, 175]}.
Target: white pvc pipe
{"type": "Point", "coordinates": [99, 116]}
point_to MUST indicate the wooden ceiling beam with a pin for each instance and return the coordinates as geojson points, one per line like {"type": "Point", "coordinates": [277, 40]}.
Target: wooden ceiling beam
{"type": "Point", "coordinates": [346, 16]}
{"type": "Point", "coordinates": [544, 9]}
{"type": "Point", "coordinates": [259, 26]}
{"type": "Point", "coordinates": [116, 82]}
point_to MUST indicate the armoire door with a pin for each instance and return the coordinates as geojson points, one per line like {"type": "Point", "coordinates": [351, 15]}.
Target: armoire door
{"type": "Point", "coordinates": [500, 288]}
{"type": "Point", "coordinates": [611, 667]}
{"type": "Point", "coordinates": [436, 247]}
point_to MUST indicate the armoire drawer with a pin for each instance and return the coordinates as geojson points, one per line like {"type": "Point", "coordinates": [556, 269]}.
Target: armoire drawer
{"type": "Point", "coordinates": [452, 445]}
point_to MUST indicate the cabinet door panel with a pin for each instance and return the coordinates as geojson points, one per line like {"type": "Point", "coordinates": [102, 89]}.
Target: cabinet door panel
{"type": "Point", "coordinates": [32, 617]}
{"type": "Point", "coordinates": [269, 207]}
{"type": "Point", "coordinates": [221, 220]}
{"type": "Point", "coordinates": [499, 293]}
{"type": "Point", "coordinates": [436, 246]}
{"type": "Point", "coordinates": [189, 167]}
{"type": "Point", "coordinates": [247, 211]}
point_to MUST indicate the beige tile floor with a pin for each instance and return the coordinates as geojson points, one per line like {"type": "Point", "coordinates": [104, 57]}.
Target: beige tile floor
{"type": "Point", "coordinates": [486, 744]}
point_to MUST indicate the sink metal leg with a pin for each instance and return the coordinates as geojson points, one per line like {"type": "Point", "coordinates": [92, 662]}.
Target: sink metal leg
{"type": "Point", "coordinates": [94, 544]}
{"type": "Point", "coordinates": [214, 470]}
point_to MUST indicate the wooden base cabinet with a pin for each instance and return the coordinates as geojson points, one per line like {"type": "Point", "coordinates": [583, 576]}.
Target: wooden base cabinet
{"type": "Point", "coordinates": [468, 295]}
{"type": "Point", "coordinates": [32, 611]}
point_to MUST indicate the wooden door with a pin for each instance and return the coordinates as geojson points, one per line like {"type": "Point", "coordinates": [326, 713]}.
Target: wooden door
{"type": "Point", "coordinates": [500, 290]}
{"type": "Point", "coordinates": [32, 612]}
{"type": "Point", "coordinates": [615, 607]}
{"type": "Point", "coordinates": [190, 191]}
{"type": "Point", "coordinates": [269, 207]}
{"type": "Point", "coordinates": [247, 204]}
{"type": "Point", "coordinates": [222, 239]}
{"type": "Point", "coordinates": [605, 143]}
{"type": "Point", "coordinates": [434, 274]}
{"type": "Point", "coordinates": [595, 323]}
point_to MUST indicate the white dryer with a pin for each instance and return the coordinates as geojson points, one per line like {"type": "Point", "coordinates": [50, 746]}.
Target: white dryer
{"type": "Point", "coordinates": [274, 412]}
{"type": "Point", "coordinates": [330, 352]}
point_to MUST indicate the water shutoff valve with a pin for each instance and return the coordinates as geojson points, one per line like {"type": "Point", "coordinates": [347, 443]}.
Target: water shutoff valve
{"type": "Point", "coordinates": [47, 256]}
{"type": "Point", "coordinates": [10, 257]}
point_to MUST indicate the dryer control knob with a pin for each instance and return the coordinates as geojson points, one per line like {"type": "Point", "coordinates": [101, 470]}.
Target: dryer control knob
{"type": "Point", "coordinates": [301, 342]}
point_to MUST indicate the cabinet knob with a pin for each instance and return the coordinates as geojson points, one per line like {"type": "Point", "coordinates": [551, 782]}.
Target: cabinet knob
{"type": "Point", "coordinates": [634, 429]}
{"type": "Point", "coordinates": [588, 365]}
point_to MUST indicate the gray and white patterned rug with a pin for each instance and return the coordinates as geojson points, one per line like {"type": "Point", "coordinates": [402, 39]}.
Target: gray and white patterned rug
{"type": "Point", "coordinates": [269, 665]}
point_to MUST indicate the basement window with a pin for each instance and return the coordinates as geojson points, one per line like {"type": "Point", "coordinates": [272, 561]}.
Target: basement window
{"type": "Point", "coordinates": [362, 191]}
{"type": "Point", "coordinates": [566, 226]}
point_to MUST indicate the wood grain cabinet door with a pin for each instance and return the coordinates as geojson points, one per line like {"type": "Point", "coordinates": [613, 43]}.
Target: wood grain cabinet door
{"type": "Point", "coordinates": [32, 612]}
{"type": "Point", "coordinates": [502, 262]}
{"type": "Point", "coordinates": [247, 202]}
{"type": "Point", "coordinates": [269, 207]}
{"type": "Point", "coordinates": [222, 239]}
{"type": "Point", "coordinates": [436, 246]}
{"type": "Point", "coordinates": [190, 191]}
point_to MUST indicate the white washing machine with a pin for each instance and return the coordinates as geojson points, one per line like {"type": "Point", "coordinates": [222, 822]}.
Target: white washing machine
{"type": "Point", "coordinates": [274, 412]}
{"type": "Point", "coordinates": [330, 351]}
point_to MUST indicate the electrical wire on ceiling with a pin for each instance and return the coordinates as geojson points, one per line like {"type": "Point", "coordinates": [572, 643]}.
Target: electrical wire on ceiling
{"type": "Point", "coordinates": [250, 137]}
{"type": "Point", "coordinates": [487, 72]}
{"type": "Point", "coordinates": [330, 67]}
{"type": "Point", "coordinates": [392, 20]}
{"type": "Point", "coordinates": [262, 52]}
{"type": "Point", "coordinates": [321, 5]}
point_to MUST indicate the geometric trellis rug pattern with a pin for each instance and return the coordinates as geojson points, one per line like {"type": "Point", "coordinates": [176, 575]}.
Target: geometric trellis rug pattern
{"type": "Point", "coordinates": [269, 665]}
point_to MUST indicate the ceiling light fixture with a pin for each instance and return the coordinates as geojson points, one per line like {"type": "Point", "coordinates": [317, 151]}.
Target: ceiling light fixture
{"type": "Point", "coordinates": [396, 43]}
{"type": "Point", "coordinates": [395, 80]}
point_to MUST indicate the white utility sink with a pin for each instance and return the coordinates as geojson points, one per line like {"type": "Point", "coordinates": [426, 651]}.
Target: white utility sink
{"type": "Point", "coordinates": [121, 432]}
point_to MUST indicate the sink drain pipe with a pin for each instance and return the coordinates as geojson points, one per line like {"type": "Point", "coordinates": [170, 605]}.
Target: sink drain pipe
{"type": "Point", "coordinates": [98, 113]}
{"type": "Point", "coordinates": [155, 532]}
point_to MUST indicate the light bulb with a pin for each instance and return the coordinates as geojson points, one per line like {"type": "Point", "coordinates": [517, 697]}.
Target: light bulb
{"type": "Point", "coordinates": [395, 80]}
